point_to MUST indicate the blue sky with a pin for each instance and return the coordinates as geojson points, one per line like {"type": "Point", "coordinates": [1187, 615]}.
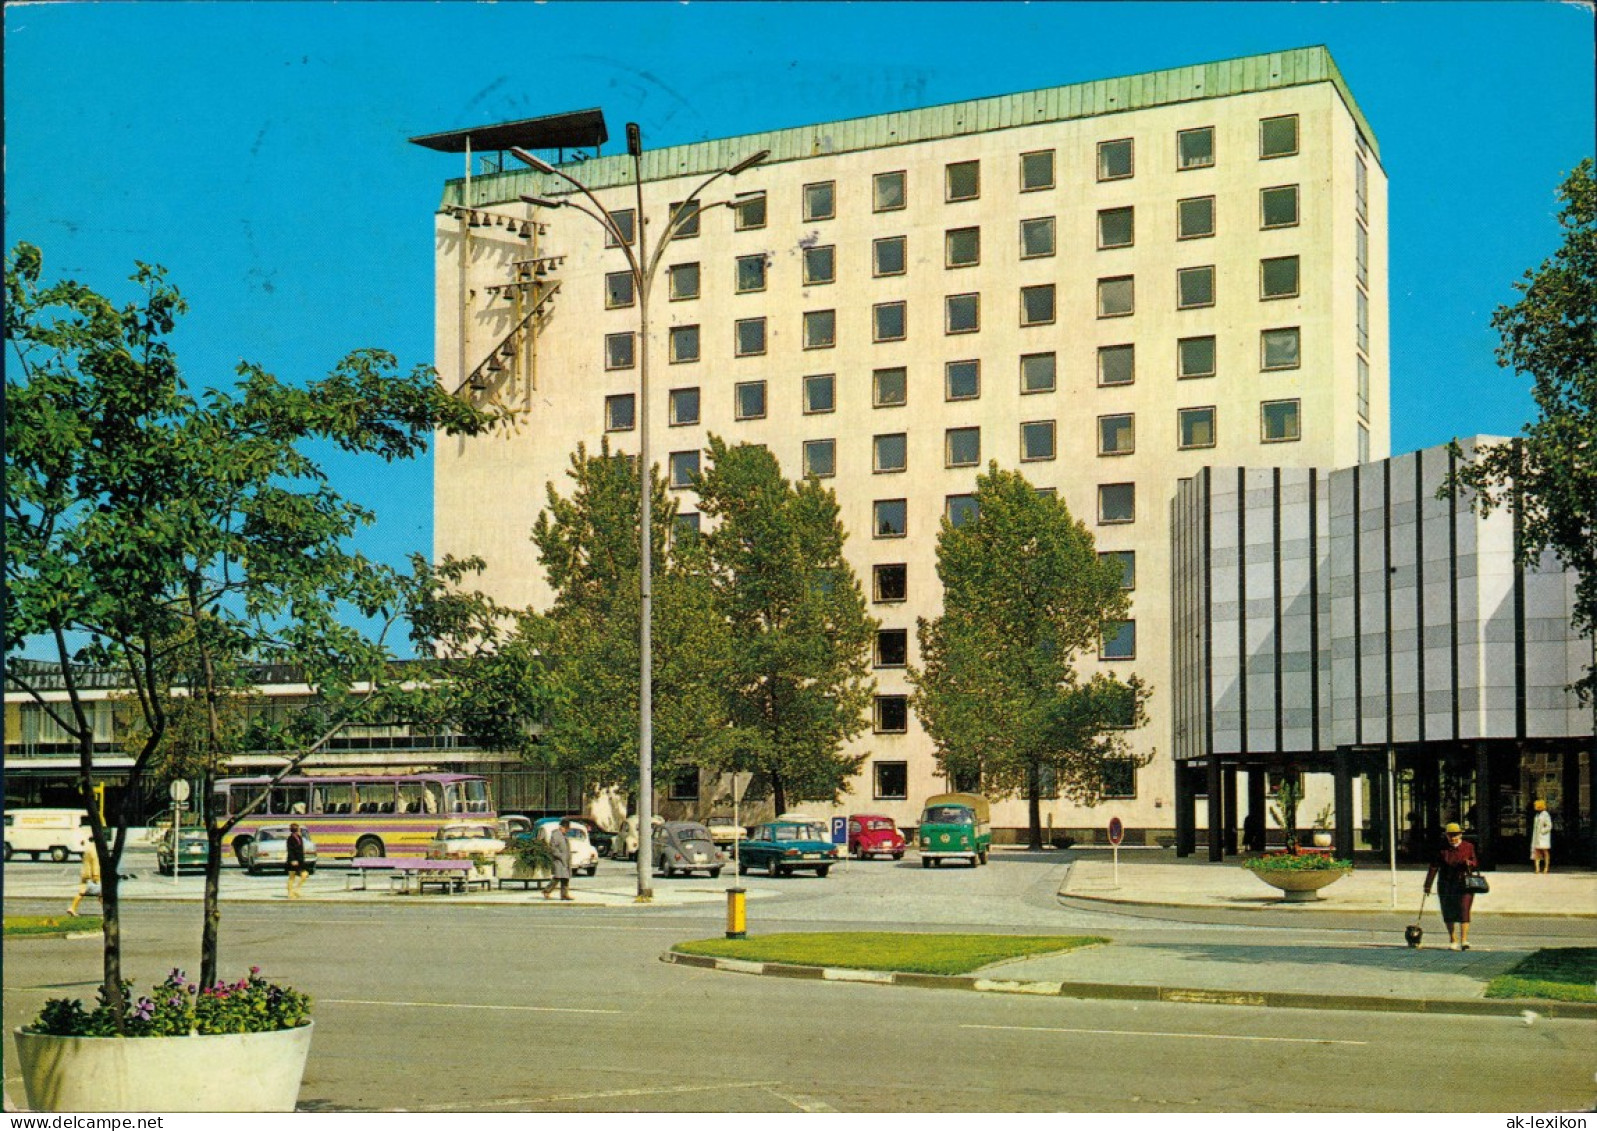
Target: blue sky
{"type": "Point", "coordinates": [259, 151]}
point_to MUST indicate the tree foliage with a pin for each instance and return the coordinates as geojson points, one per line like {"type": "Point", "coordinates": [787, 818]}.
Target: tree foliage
{"type": "Point", "coordinates": [175, 537]}
{"type": "Point", "coordinates": [1025, 596]}
{"type": "Point", "coordinates": [1550, 476]}
{"type": "Point", "coordinates": [798, 676]}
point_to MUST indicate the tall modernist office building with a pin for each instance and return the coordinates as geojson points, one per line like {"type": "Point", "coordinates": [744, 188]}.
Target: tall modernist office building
{"type": "Point", "coordinates": [1106, 285]}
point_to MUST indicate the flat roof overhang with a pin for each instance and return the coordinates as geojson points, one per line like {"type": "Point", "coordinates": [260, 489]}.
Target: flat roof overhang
{"type": "Point", "coordinates": [573, 130]}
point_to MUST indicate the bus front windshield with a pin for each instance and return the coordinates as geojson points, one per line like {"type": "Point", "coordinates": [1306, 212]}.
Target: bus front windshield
{"type": "Point", "coordinates": [946, 815]}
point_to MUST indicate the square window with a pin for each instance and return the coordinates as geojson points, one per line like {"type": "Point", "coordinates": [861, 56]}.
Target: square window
{"type": "Point", "coordinates": [890, 582]}
{"type": "Point", "coordinates": [1281, 348]}
{"type": "Point", "coordinates": [1127, 561]}
{"type": "Point", "coordinates": [1116, 297]}
{"type": "Point", "coordinates": [1116, 227]}
{"type": "Point", "coordinates": [1037, 305]}
{"type": "Point", "coordinates": [820, 393]}
{"type": "Point", "coordinates": [960, 509]}
{"type": "Point", "coordinates": [684, 343]}
{"type": "Point", "coordinates": [1195, 357]}
{"type": "Point", "coordinates": [889, 518]}
{"type": "Point", "coordinates": [1117, 435]}
{"type": "Point", "coordinates": [684, 466]}
{"type": "Point", "coordinates": [1278, 278]}
{"type": "Point", "coordinates": [750, 273]}
{"type": "Point", "coordinates": [686, 218]}
{"type": "Point", "coordinates": [887, 256]}
{"type": "Point", "coordinates": [1117, 502]}
{"type": "Point", "coordinates": [887, 192]}
{"type": "Point", "coordinates": [889, 453]}
{"type": "Point", "coordinates": [1037, 237]}
{"type": "Point", "coordinates": [1195, 218]}
{"type": "Point", "coordinates": [684, 784]}
{"type": "Point", "coordinates": [1037, 440]}
{"type": "Point", "coordinates": [962, 314]}
{"type": "Point", "coordinates": [1278, 421]}
{"type": "Point", "coordinates": [684, 406]}
{"type": "Point", "coordinates": [618, 290]}
{"type": "Point", "coordinates": [1119, 777]}
{"type": "Point", "coordinates": [749, 336]}
{"type": "Point", "coordinates": [820, 265]}
{"type": "Point", "coordinates": [618, 351]}
{"type": "Point", "coordinates": [1037, 170]}
{"type": "Point", "coordinates": [1278, 137]}
{"type": "Point", "coordinates": [892, 647]}
{"type": "Point", "coordinates": [1195, 148]}
{"type": "Point", "coordinates": [820, 458]}
{"type": "Point", "coordinates": [1117, 365]}
{"type": "Point", "coordinates": [962, 447]}
{"type": "Point", "coordinates": [892, 714]}
{"type": "Point", "coordinates": [1038, 372]}
{"type": "Point", "coordinates": [887, 322]}
{"type": "Point", "coordinates": [1195, 427]}
{"type": "Point", "coordinates": [1194, 287]}
{"type": "Point", "coordinates": [1364, 444]}
{"type": "Point", "coordinates": [1278, 207]}
{"type": "Point", "coordinates": [889, 387]}
{"type": "Point", "coordinates": [820, 200]}
{"type": "Point", "coordinates": [749, 211]}
{"type": "Point", "coordinates": [1120, 641]}
{"type": "Point", "coordinates": [684, 281]}
{"type": "Point", "coordinates": [1114, 159]}
{"type": "Point", "coordinates": [962, 247]}
{"type": "Point", "coordinates": [749, 400]}
{"type": "Point", "coordinates": [626, 223]}
{"type": "Point", "coordinates": [686, 524]}
{"type": "Point", "coordinates": [962, 380]}
{"type": "Point", "coordinates": [820, 329]}
{"type": "Point", "coordinates": [620, 412]}
{"type": "Point", "coordinates": [892, 781]}
{"type": "Point", "coordinates": [963, 180]}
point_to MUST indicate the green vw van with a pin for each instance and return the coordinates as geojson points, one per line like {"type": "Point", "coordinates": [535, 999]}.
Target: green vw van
{"type": "Point", "coordinates": [954, 826]}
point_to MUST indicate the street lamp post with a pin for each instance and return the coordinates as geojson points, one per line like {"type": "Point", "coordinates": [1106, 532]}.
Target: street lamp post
{"type": "Point", "coordinates": [642, 267]}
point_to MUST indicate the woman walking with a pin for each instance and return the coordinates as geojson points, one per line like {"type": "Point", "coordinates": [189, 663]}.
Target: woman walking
{"type": "Point", "coordinates": [1455, 861]}
{"type": "Point", "coordinates": [1541, 839]}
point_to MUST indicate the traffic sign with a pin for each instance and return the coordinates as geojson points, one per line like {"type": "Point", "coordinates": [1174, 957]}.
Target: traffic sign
{"type": "Point", "coordinates": [1117, 831]}
{"type": "Point", "coordinates": [839, 830]}
{"type": "Point", "coordinates": [179, 790]}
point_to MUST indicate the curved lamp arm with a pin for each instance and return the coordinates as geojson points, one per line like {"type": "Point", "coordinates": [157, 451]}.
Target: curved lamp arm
{"type": "Point", "coordinates": [602, 218]}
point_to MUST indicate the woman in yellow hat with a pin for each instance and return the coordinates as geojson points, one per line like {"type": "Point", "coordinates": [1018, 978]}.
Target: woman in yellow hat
{"type": "Point", "coordinates": [1455, 861]}
{"type": "Point", "coordinates": [1541, 839]}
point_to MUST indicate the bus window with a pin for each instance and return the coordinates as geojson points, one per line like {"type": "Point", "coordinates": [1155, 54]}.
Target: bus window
{"type": "Point", "coordinates": [334, 797]}
{"type": "Point", "coordinates": [410, 797]}
{"type": "Point", "coordinates": [433, 799]}
{"type": "Point", "coordinates": [290, 798]}
{"type": "Point", "coordinates": [469, 796]}
{"type": "Point", "coordinates": [241, 796]}
{"type": "Point", "coordinates": [375, 796]}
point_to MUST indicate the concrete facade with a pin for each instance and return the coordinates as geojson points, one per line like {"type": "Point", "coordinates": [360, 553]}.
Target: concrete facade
{"type": "Point", "coordinates": [1201, 158]}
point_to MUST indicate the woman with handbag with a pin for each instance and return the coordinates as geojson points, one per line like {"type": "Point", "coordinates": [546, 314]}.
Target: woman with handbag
{"type": "Point", "coordinates": [1454, 865]}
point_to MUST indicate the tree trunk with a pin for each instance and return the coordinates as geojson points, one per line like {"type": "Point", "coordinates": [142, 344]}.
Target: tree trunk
{"type": "Point", "coordinates": [109, 852]}
{"type": "Point", "coordinates": [211, 918]}
{"type": "Point", "coordinates": [1034, 806]}
{"type": "Point", "coordinates": [778, 795]}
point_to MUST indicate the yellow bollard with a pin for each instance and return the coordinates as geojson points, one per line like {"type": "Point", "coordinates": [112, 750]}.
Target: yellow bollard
{"type": "Point", "coordinates": [736, 917]}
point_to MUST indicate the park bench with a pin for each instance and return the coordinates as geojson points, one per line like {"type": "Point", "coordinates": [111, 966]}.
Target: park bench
{"type": "Point", "coordinates": [416, 874]}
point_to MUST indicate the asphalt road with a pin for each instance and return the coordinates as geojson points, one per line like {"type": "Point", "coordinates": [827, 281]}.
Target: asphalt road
{"type": "Point", "coordinates": [431, 1007]}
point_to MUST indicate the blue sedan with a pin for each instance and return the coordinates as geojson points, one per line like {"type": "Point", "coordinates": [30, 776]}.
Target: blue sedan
{"type": "Point", "coordinates": [784, 847]}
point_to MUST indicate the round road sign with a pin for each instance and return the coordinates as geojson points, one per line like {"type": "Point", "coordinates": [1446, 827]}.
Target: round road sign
{"type": "Point", "coordinates": [1117, 831]}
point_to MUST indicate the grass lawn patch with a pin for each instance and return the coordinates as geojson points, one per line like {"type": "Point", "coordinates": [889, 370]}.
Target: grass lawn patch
{"type": "Point", "coordinates": [1557, 974]}
{"type": "Point", "coordinates": [21, 925]}
{"type": "Point", "coordinates": [884, 950]}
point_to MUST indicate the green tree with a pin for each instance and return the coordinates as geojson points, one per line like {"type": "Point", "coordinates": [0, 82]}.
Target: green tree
{"type": "Point", "coordinates": [798, 680]}
{"type": "Point", "coordinates": [588, 544]}
{"type": "Point", "coordinates": [174, 537]}
{"type": "Point", "coordinates": [1024, 596]}
{"type": "Point", "coordinates": [1550, 475]}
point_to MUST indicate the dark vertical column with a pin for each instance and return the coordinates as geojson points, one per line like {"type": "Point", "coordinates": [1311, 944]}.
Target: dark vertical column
{"type": "Point", "coordinates": [1485, 810]}
{"type": "Point", "coordinates": [1419, 587]}
{"type": "Point", "coordinates": [1343, 795]}
{"type": "Point", "coordinates": [1314, 606]}
{"type": "Point", "coordinates": [1256, 802]}
{"type": "Point", "coordinates": [1216, 811]}
{"type": "Point", "coordinates": [1386, 593]}
{"type": "Point", "coordinates": [1519, 599]}
{"type": "Point", "coordinates": [1186, 811]}
{"type": "Point", "coordinates": [1379, 806]}
{"type": "Point", "coordinates": [1573, 847]}
{"type": "Point", "coordinates": [1275, 576]}
{"type": "Point", "coordinates": [1358, 604]}
{"type": "Point", "coordinates": [1452, 582]}
{"type": "Point", "coordinates": [1243, 659]}
{"type": "Point", "coordinates": [1229, 791]}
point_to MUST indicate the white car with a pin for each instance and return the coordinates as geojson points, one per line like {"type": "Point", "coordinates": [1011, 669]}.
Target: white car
{"type": "Point", "coordinates": [724, 831]}
{"type": "Point", "coordinates": [464, 840]}
{"type": "Point", "coordinates": [584, 857]}
{"type": "Point", "coordinates": [268, 850]}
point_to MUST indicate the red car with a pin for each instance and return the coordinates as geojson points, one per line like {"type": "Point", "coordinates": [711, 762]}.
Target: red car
{"type": "Point", "coordinates": [873, 835]}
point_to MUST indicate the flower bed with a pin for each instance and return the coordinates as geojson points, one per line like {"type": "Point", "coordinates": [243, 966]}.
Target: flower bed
{"type": "Point", "coordinates": [178, 1007]}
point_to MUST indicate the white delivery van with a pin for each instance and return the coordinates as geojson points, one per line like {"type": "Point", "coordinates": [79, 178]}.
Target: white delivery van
{"type": "Point", "coordinates": [60, 832]}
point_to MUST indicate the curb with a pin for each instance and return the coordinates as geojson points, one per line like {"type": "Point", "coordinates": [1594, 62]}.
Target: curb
{"type": "Point", "coordinates": [1307, 908]}
{"type": "Point", "coordinates": [1267, 999]}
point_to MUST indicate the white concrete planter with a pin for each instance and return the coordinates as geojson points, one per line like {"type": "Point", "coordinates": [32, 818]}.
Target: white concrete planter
{"type": "Point", "coordinates": [1300, 887]}
{"type": "Point", "coordinates": [508, 866]}
{"type": "Point", "coordinates": [1322, 838]}
{"type": "Point", "coordinates": [227, 1072]}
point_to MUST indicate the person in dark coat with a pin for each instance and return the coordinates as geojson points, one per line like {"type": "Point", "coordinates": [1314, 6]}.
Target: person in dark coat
{"type": "Point", "coordinates": [1455, 861]}
{"type": "Point", "coordinates": [561, 870]}
{"type": "Point", "coordinates": [294, 847]}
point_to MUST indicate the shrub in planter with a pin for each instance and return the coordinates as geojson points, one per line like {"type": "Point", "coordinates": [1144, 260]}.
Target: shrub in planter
{"type": "Point", "coordinates": [534, 853]}
{"type": "Point", "coordinates": [178, 1007]}
{"type": "Point", "coordinates": [1286, 862]}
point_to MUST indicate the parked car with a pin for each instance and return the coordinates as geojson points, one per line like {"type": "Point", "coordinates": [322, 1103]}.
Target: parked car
{"type": "Point", "coordinates": [268, 850]}
{"type": "Point", "coordinates": [584, 857]}
{"type": "Point", "coordinates": [870, 834]}
{"type": "Point", "coordinates": [59, 832]}
{"type": "Point", "coordinates": [783, 847]}
{"type": "Point", "coordinates": [724, 831]}
{"type": "Point", "coordinates": [626, 841]}
{"type": "Point", "coordinates": [602, 839]}
{"type": "Point", "coordinates": [686, 847]}
{"type": "Point", "coordinates": [512, 825]}
{"type": "Point", "coordinates": [190, 854]}
{"type": "Point", "coordinates": [955, 826]}
{"type": "Point", "coordinates": [461, 840]}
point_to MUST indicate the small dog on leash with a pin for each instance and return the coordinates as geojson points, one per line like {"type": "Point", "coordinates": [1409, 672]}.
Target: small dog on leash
{"type": "Point", "coordinates": [1412, 934]}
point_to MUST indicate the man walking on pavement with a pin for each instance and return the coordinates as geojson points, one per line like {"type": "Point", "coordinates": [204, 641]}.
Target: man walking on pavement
{"type": "Point", "coordinates": [561, 848]}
